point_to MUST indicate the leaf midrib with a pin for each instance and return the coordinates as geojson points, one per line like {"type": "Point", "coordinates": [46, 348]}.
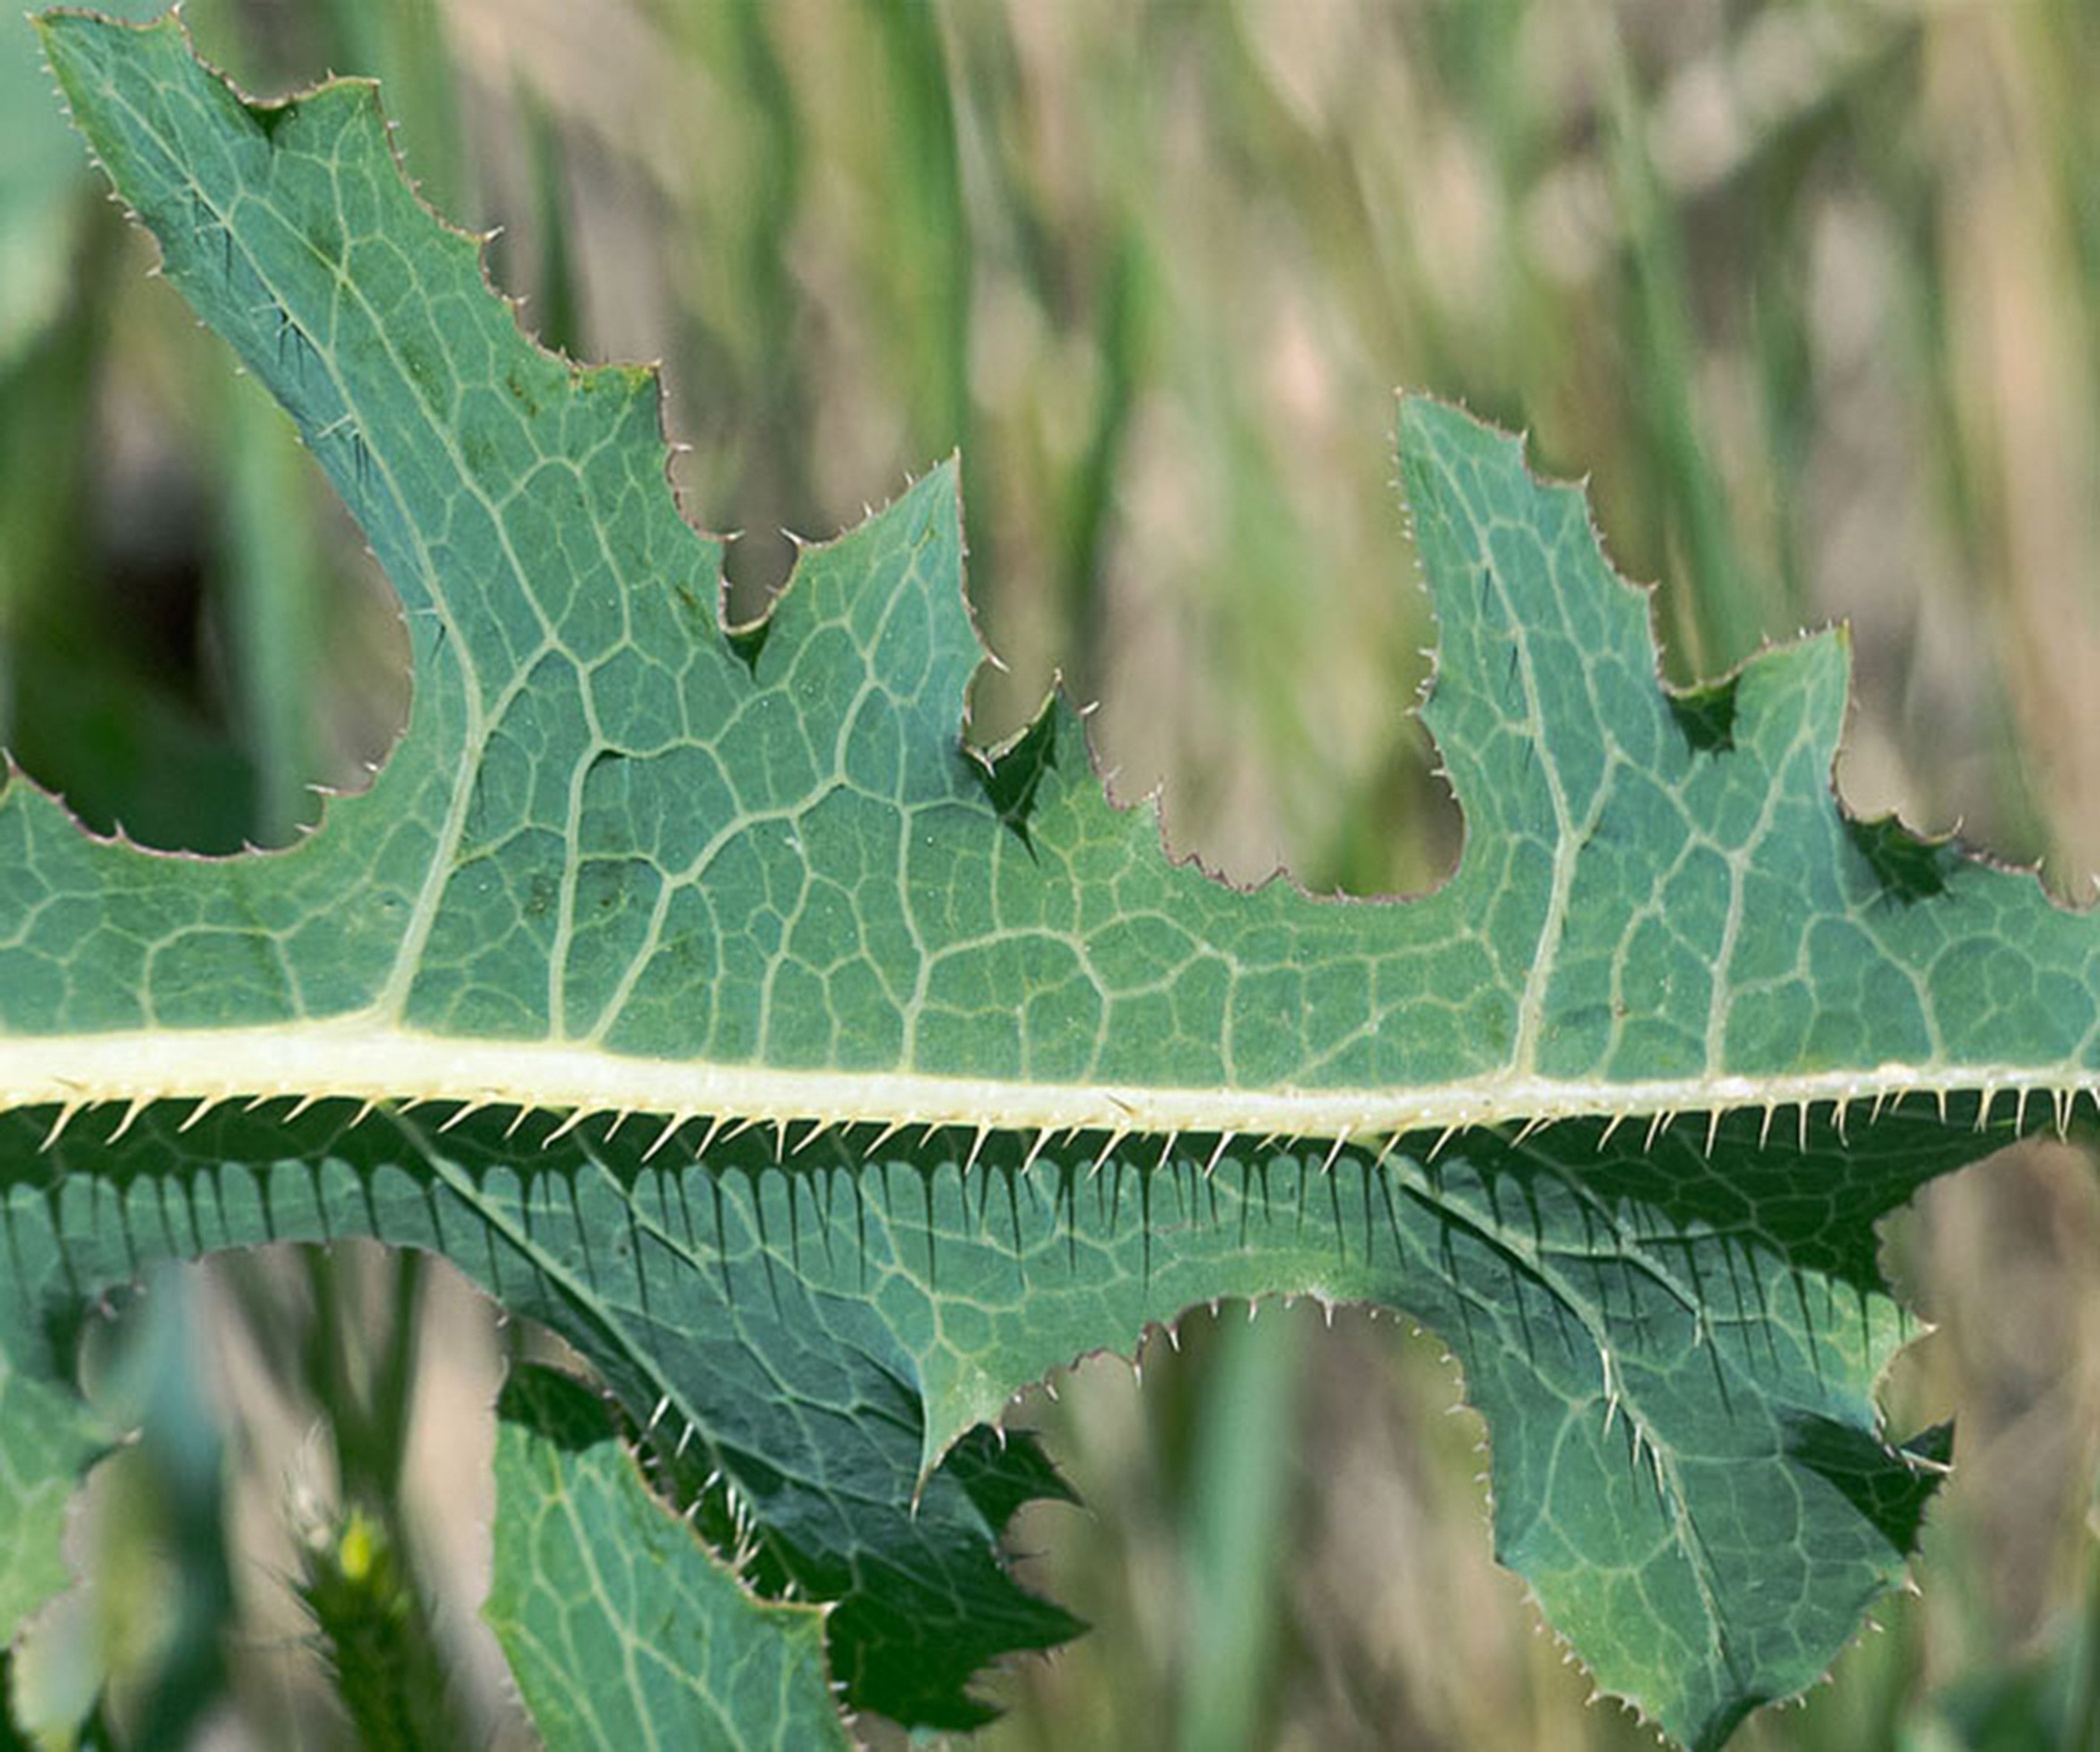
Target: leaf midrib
{"type": "Point", "coordinates": [370, 1058]}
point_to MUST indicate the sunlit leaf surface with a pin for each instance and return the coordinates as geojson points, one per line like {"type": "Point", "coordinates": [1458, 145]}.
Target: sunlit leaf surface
{"type": "Point", "coordinates": [825, 1083]}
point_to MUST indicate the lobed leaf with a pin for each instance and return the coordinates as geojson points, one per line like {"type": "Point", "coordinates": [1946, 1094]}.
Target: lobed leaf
{"type": "Point", "coordinates": [825, 1081]}
{"type": "Point", "coordinates": [620, 1628]}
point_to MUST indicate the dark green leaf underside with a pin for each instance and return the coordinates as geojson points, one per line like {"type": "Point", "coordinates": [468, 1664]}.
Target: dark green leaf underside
{"type": "Point", "coordinates": [1649, 1335]}
{"type": "Point", "coordinates": [621, 1629]}
{"type": "Point", "coordinates": [618, 831]}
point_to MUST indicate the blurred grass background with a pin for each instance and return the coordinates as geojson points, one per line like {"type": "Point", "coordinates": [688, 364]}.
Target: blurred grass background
{"type": "Point", "coordinates": [1810, 293]}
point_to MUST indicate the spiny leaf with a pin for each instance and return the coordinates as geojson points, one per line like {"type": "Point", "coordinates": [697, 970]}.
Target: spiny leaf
{"type": "Point", "coordinates": [623, 1631]}
{"type": "Point", "coordinates": [824, 1084]}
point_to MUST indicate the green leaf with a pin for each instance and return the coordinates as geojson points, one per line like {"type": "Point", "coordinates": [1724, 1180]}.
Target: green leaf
{"type": "Point", "coordinates": [825, 1082]}
{"type": "Point", "coordinates": [48, 1439]}
{"type": "Point", "coordinates": [622, 1630]}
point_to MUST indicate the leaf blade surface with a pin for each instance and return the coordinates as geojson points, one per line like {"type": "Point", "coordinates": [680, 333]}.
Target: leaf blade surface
{"type": "Point", "coordinates": [703, 894]}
